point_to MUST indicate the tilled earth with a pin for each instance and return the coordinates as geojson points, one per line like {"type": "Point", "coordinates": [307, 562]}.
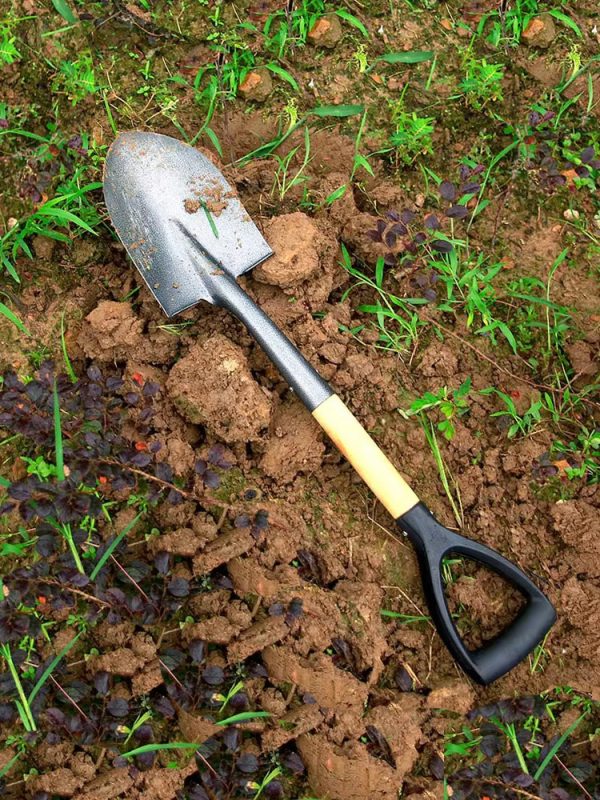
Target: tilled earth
{"type": "Point", "coordinates": [291, 558]}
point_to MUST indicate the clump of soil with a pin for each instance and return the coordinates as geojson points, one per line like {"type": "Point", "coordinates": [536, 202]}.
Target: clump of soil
{"type": "Point", "coordinates": [295, 239]}
{"type": "Point", "coordinates": [213, 386]}
{"type": "Point", "coordinates": [295, 443]}
{"type": "Point", "coordinates": [113, 332]}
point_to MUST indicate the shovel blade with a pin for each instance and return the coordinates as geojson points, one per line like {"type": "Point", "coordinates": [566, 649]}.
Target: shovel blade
{"type": "Point", "coordinates": [180, 221]}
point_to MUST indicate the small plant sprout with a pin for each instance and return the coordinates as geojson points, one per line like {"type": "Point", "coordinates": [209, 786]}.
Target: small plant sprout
{"type": "Point", "coordinates": [286, 179]}
{"type": "Point", "coordinates": [259, 788]}
{"type": "Point", "coordinates": [522, 424]}
{"type": "Point", "coordinates": [412, 136]}
{"type": "Point", "coordinates": [482, 83]}
{"type": "Point", "coordinates": [451, 404]}
{"type": "Point", "coordinates": [224, 699]}
{"type": "Point", "coordinates": [129, 731]}
{"type": "Point", "coordinates": [25, 701]}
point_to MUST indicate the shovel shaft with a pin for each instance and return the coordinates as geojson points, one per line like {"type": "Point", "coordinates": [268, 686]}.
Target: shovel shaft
{"type": "Point", "coordinates": [306, 382]}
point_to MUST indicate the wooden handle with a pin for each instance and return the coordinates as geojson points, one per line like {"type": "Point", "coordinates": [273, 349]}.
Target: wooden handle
{"type": "Point", "coordinates": [376, 470]}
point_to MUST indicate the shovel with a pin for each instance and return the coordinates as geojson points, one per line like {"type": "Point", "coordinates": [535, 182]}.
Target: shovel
{"type": "Point", "coordinates": [190, 237]}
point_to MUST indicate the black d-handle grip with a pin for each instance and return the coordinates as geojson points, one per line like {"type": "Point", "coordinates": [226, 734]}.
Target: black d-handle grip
{"type": "Point", "coordinates": [433, 542]}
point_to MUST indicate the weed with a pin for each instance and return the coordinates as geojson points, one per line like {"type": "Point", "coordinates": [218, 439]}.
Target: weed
{"type": "Point", "coordinates": [585, 452]}
{"type": "Point", "coordinates": [451, 404]}
{"type": "Point", "coordinates": [76, 78]}
{"type": "Point", "coordinates": [505, 25]}
{"type": "Point", "coordinates": [285, 182]}
{"type": "Point", "coordinates": [516, 423]}
{"type": "Point", "coordinates": [412, 136]}
{"type": "Point", "coordinates": [69, 210]}
{"type": "Point", "coordinates": [516, 743]}
{"type": "Point", "coordinates": [8, 48]}
{"type": "Point", "coordinates": [397, 323]}
{"type": "Point", "coordinates": [482, 83]}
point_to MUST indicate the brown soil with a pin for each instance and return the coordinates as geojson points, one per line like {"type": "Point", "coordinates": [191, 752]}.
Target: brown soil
{"type": "Point", "coordinates": [329, 545]}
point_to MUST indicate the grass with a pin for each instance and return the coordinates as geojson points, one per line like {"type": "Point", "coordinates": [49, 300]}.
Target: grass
{"type": "Point", "coordinates": [24, 701]}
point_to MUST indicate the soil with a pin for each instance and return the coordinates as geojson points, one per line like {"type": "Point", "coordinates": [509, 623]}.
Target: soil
{"type": "Point", "coordinates": [340, 666]}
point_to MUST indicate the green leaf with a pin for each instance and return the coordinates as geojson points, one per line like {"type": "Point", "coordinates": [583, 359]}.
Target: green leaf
{"type": "Point", "coordinates": [407, 57]}
{"type": "Point", "coordinates": [464, 388]}
{"type": "Point", "coordinates": [352, 20]}
{"type": "Point", "coordinates": [6, 312]}
{"type": "Point", "coordinates": [150, 748]}
{"type": "Point", "coordinates": [284, 74]}
{"type": "Point", "coordinates": [361, 161]}
{"type": "Point", "coordinates": [112, 546]}
{"type": "Point", "coordinates": [337, 111]}
{"type": "Point", "coordinates": [65, 11]}
{"type": "Point", "coordinates": [556, 747]}
{"type": "Point", "coordinates": [214, 139]}
{"type": "Point", "coordinates": [244, 716]}
{"type": "Point", "coordinates": [50, 669]}
{"type": "Point", "coordinates": [379, 267]}
{"type": "Point", "coordinates": [62, 215]}
{"type": "Point", "coordinates": [336, 194]}
{"type": "Point", "coordinates": [566, 21]}
{"type": "Point", "coordinates": [9, 268]}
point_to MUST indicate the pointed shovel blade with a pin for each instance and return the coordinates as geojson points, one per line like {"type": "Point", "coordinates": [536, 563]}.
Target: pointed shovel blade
{"type": "Point", "coordinates": [179, 219]}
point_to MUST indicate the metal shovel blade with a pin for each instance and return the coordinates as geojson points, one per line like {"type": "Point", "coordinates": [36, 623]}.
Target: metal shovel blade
{"type": "Point", "coordinates": [180, 221]}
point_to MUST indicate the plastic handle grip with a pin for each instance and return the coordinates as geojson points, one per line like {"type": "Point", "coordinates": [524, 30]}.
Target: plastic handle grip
{"type": "Point", "coordinates": [433, 542]}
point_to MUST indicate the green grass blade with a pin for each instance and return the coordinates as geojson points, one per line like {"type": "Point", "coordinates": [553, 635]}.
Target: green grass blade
{"type": "Point", "coordinates": [407, 57]}
{"type": "Point", "coordinates": [559, 15]}
{"type": "Point", "coordinates": [65, 11]}
{"type": "Point", "coordinates": [214, 139]}
{"type": "Point", "coordinates": [21, 704]}
{"type": "Point", "coordinates": [11, 317]}
{"type": "Point", "coordinates": [352, 20]}
{"type": "Point", "coordinates": [244, 717]}
{"type": "Point", "coordinates": [557, 745]}
{"type": "Point", "coordinates": [112, 546]}
{"type": "Point", "coordinates": [284, 75]}
{"type": "Point", "coordinates": [406, 618]}
{"type": "Point", "coordinates": [58, 440]}
{"type": "Point", "coordinates": [8, 265]}
{"type": "Point", "coordinates": [63, 345]}
{"type": "Point", "coordinates": [8, 766]}
{"type": "Point", "coordinates": [336, 111]}
{"type": "Point", "coordinates": [64, 216]}
{"type": "Point", "coordinates": [149, 748]}
{"type": "Point", "coordinates": [50, 669]}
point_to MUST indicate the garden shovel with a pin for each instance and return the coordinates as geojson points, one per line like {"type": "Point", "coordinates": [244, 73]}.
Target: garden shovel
{"type": "Point", "coordinates": [190, 237]}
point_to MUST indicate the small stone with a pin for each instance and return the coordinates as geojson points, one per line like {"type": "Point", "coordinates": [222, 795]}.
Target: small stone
{"type": "Point", "coordinates": [327, 31]}
{"type": "Point", "coordinates": [257, 85]}
{"type": "Point", "coordinates": [540, 32]}
{"type": "Point", "coordinates": [570, 214]}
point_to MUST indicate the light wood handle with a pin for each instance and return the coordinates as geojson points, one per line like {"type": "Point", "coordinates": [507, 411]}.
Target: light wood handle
{"type": "Point", "coordinates": [376, 470]}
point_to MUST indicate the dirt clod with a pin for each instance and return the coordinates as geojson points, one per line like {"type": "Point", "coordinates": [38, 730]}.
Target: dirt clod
{"type": "Point", "coordinates": [540, 31]}
{"type": "Point", "coordinates": [257, 85]}
{"type": "Point", "coordinates": [327, 31]}
{"type": "Point", "coordinates": [212, 385]}
{"type": "Point", "coordinates": [296, 257]}
{"type": "Point", "coordinates": [294, 445]}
